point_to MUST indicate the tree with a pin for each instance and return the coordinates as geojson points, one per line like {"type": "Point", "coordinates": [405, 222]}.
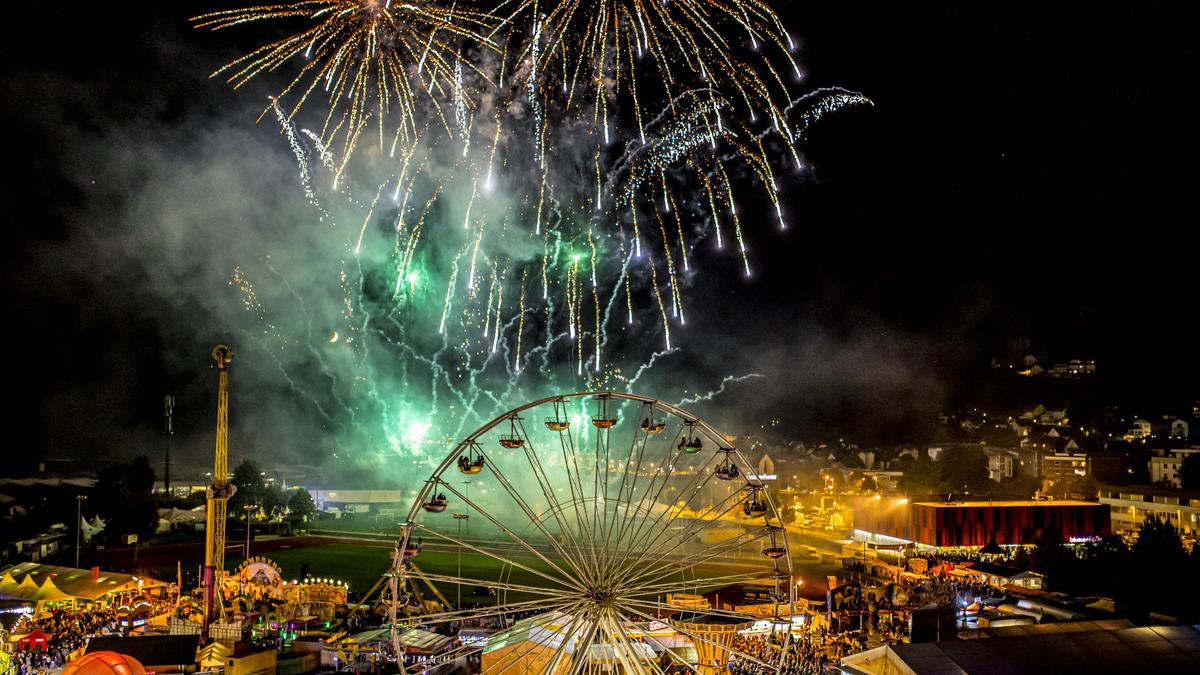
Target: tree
{"type": "Point", "coordinates": [141, 476]}
{"type": "Point", "coordinates": [1159, 555]}
{"type": "Point", "coordinates": [962, 468]}
{"type": "Point", "coordinates": [1159, 545]}
{"type": "Point", "coordinates": [920, 475]}
{"type": "Point", "coordinates": [301, 505]}
{"type": "Point", "coordinates": [1189, 472]}
{"type": "Point", "coordinates": [124, 498]}
{"type": "Point", "coordinates": [251, 488]}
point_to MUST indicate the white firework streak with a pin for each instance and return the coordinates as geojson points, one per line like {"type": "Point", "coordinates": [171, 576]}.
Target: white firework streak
{"type": "Point", "coordinates": [729, 379]}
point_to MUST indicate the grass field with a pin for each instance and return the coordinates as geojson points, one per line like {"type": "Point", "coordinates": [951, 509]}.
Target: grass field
{"type": "Point", "coordinates": [361, 566]}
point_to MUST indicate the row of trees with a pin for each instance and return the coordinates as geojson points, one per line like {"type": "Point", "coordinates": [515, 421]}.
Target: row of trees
{"type": "Point", "coordinates": [1155, 574]}
{"type": "Point", "coordinates": [254, 490]}
{"type": "Point", "coordinates": [125, 499]}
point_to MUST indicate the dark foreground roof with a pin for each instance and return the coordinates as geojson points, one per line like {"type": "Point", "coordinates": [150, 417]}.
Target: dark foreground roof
{"type": "Point", "coordinates": [1155, 649]}
{"type": "Point", "coordinates": [150, 650]}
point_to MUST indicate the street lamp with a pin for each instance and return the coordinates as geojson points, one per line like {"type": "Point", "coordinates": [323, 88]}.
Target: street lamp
{"type": "Point", "coordinates": [248, 508]}
{"type": "Point", "coordinates": [78, 524]}
{"type": "Point", "coordinates": [460, 517]}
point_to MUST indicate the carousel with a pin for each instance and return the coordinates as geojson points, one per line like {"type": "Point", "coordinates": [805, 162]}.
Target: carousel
{"type": "Point", "coordinates": [257, 596]}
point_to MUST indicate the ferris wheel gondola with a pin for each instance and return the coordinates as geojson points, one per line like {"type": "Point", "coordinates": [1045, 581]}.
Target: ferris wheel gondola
{"type": "Point", "coordinates": [559, 421]}
{"type": "Point", "coordinates": [512, 440]}
{"type": "Point", "coordinates": [690, 441]}
{"type": "Point", "coordinates": [651, 424]}
{"type": "Point", "coordinates": [727, 469]}
{"type": "Point", "coordinates": [774, 548]}
{"type": "Point", "coordinates": [603, 419]}
{"type": "Point", "coordinates": [436, 504]}
{"type": "Point", "coordinates": [754, 506]}
{"type": "Point", "coordinates": [472, 461]}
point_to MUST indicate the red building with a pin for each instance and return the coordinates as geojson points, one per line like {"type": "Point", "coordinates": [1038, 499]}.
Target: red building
{"type": "Point", "coordinates": [948, 524]}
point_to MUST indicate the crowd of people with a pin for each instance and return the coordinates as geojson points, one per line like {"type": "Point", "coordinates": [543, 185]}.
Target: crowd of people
{"type": "Point", "coordinates": [806, 653]}
{"type": "Point", "coordinates": [67, 631]}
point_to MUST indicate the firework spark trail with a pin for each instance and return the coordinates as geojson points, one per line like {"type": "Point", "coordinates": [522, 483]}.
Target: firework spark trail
{"type": "Point", "coordinates": [359, 53]}
{"type": "Point", "coordinates": [729, 379]}
{"type": "Point", "coordinates": [646, 367]}
{"type": "Point", "coordinates": [582, 165]}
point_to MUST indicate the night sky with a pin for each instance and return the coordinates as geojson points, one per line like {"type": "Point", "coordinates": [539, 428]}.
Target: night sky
{"type": "Point", "coordinates": [1026, 173]}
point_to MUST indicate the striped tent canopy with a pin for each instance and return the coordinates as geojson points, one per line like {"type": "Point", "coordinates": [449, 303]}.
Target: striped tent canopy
{"type": "Point", "coordinates": [35, 582]}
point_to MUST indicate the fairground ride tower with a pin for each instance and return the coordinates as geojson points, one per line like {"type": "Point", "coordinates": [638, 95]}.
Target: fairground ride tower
{"type": "Point", "coordinates": [218, 493]}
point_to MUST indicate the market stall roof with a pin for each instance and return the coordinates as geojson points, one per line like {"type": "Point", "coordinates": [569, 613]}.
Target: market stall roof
{"type": "Point", "coordinates": [34, 581]}
{"type": "Point", "coordinates": [1150, 649]}
{"type": "Point", "coordinates": [546, 629]}
{"type": "Point", "coordinates": [150, 650]}
{"type": "Point", "coordinates": [422, 641]}
{"type": "Point", "coordinates": [174, 515]}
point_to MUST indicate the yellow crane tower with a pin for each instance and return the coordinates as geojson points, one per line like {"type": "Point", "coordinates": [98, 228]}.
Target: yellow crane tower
{"type": "Point", "coordinates": [218, 493]}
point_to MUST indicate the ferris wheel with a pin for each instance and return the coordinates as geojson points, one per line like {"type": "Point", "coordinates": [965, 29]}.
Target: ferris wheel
{"type": "Point", "coordinates": [576, 524]}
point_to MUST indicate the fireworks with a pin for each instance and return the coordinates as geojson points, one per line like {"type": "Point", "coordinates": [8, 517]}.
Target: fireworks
{"type": "Point", "coordinates": [580, 149]}
{"type": "Point", "coordinates": [366, 58]}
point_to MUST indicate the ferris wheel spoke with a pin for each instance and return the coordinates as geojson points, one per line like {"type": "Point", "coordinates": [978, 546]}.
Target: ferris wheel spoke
{"type": "Point", "coordinates": [498, 610]}
{"type": "Point", "coordinates": [650, 570]}
{"type": "Point", "coordinates": [700, 522]}
{"type": "Point", "coordinates": [501, 585]}
{"type": "Point", "coordinates": [654, 545]}
{"type": "Point", "coordinates": [629, 640]}
{"type": "Point", "coordinates": [696, 582]}
{"type": "Point", "coordinates": [696, 637]}
{"type": "Point", "coordinates": [622, 647]}
{"type": "Point", "coordinates": [569, 631]}
{"type": "Point", "coordinates": [498, 557]}
{"type": "Point", "coordinates": [533, 517]}
{"type": "Point", "coordinates": [512, 535]}
{"type": "Point", "coordinates": [539, 472]}
{"type": "Point", "coordinates": [610, 518]}
{"type": "Point", "coordinates": [647, 529]}
{"type": "Point", "coordinates": [584, 647]}
{"type": "Point", "coordinates": [697, 558]}
{"type": "Point", "coordinates": [575, 483]}
{"type": "Point", "coordinates": [570, 459]}
{"type": "Point", "coordinates": [514, 657]}
{"type": "Point", "coordinates": [649, 605]}
{"type": "Point", "coordinates": [637, 469]}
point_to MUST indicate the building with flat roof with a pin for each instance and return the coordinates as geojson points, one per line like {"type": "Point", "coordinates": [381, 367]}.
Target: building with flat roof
{"type": "Point", "coordinates": [1166, 463]}
{"type": "Point", "coordinates": [1072, 647]}
{"type": "Point", "coordinates": [1130, 505]}
{"type": "Point", "coordinates": [975, 523]}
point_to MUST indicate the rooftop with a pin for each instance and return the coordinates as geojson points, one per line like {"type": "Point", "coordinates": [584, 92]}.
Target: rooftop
{"type": "Point", "coordinates": [1009, 503]}
{"type": "Point", "coordinates": [1044, 649]}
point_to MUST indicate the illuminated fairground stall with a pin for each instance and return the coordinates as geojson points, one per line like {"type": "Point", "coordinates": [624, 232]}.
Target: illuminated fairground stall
{"type": "Point", "coordinates": [257, 599]}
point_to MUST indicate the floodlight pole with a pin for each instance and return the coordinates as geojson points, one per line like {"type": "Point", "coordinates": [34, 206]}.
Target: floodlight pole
{"type": "Point", "coordinates": [79, 499]}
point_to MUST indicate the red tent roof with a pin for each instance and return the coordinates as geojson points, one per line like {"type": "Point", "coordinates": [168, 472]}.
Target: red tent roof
{"type": "Point", "coordinates": [35, 638]}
